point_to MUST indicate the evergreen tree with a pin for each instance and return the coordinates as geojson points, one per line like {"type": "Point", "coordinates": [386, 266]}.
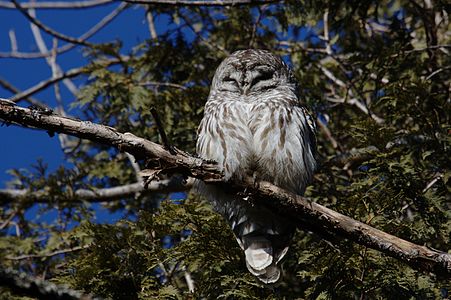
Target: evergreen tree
{"type": "Point", "coordinates": [376, 75]}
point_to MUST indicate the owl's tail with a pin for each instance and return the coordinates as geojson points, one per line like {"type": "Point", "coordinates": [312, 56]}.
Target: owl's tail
{"type": "Point", "coordinates": [265, 238]}
{"type": "Point", "coordinates": [262, 235]}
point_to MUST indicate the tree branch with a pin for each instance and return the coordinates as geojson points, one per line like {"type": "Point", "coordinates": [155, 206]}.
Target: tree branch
{"type": "Point", "coordinates": [8, 86]}
{"type": "Point", "coordinates": [303, 211]}
{"type": "Point", "coordinates": [203, 2]}
{"type": "Point", "coordinates": [48, 82]}
{"type": "Point", "coordinates": [174, 184]}
{"type": "Point", "coordinates": [48, 29]}
{"type": "Point", "coordinates": [25, 284]}
{"type": "Point", "coordinates": [47, 255]}
{"type": "Point", "coordinates": [56, 5]}
{"type": "Point", "coordinates": [93, 30]}
{"type": "Point", "coordinates": [94, 3]}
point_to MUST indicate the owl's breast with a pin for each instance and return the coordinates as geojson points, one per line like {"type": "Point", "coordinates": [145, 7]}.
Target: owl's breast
{"type": "Point", "coordinates": [282, 145]}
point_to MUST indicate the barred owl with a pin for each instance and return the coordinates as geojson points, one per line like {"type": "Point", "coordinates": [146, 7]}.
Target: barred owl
{"type": "Point", "coordinates": [254, 125]}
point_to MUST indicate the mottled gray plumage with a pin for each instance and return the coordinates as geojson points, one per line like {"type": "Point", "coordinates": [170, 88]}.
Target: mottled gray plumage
{"type": "Point", "coordinates": [255, 125]}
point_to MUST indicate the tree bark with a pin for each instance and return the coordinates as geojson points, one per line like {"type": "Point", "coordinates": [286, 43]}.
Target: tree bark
{"type": "Point", "coordinates": [303, 211]}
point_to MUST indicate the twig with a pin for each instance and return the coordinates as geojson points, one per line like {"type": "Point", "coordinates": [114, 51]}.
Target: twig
{"type": "Point", "coordinates": [56, 4]}
{"type": "Point", "coordinates": [46, 83]}
{"type": "Point", "coordinates": [254, 28]}
{"type": "Point", "coordinates": [8, 220]}
{"type": "Point", "coordinates": [189, 280]}
{"type": "Point", "coordinates": [328, 134]}
{"type": "Point", "coordinates": [93, 30]}
{"type": "Point", "coordinates": [353, 157]}
{"type": "Point", "coordinates": [432, 182]}
{"type": "Point", "coordinates": [326, 32]}
{"type": "Point", "coordinates": [304, 212]}
{"type": "Point", "coordinates": [203, 3]}
{"type": "Point", "coordinates": [212, 46]}
{"type": "Point", "coordinates": [437, 71]}
{"type": "Point", "coordinates": [358, 104]}
{"type": "Point", "coordinates": [48, 29]}
{"type": "Point", "coordinates": [8, 86]}
{"type": "Point", "coordinates": [151, 23]}
{"type": "Point", "coordinates": [13, 40]}
{"type": "Point", "coordinates": [301, 46]}
{"type": "Point", "coordinates": [137, 169]}
{"type": "Point", "coordinates": [174, 184]}
{"type": "Point", "coordinates": [51, 60]}
{"type": "Point", "coordinates": [164, 137]}
{"type": "Point", "coordinates": [45, 255]}
{"type": "Point", "coordinates": [168, 84]}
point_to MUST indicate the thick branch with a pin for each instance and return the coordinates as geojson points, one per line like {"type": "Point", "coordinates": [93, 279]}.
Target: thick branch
{"type": "Point", "coordinates": [24, 284]}
{"type": "Point", "coordinates": [302, 210]}
{"type": "Point", "coordinates": [139, 147]}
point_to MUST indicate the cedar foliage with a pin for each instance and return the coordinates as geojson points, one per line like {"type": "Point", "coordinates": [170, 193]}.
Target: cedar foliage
{"type": "Point", "coordinates": [382, 54]}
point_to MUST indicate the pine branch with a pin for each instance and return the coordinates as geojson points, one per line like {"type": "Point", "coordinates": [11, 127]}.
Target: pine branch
{"type": "Point", "coordinates": [319, 218]}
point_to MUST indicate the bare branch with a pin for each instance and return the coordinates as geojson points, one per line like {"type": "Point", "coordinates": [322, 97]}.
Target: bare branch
{"type": "Point", "coordinates": [94, 3]}
{"type": "Point", "coordinates": [151, 24]}
{"type": "Point", "coordinates": [48, 82]}
{"type": "Point", "coordinates": [13, 40]}
{"type": "Point", "coordinates": [8, 220]}
{"type": "Point", "coordinates": [8, 86]}
{"type": "Point", "coordinates": [203, 3]}
{"type": "Point", "coordinates": [48, 29]}
{"type": "Point", "coordinates": [303, 211]}
{"type": "Point", "coordinates": [51, 61]}
{"type": "Point", "coordinates": [326, 32]}
{"type": "Point", "coordinates": [167, 84]}
{"type": "Point", "coordinates": [135, 167]}
{"type": "Point", "coordinates": [352, 101]}
{"type": "Point", "coordinates": [93, 30]}
{"type": "Point", "coordinates": [56, 5]}
{"type": "Point", "coordinates": [174, 184]}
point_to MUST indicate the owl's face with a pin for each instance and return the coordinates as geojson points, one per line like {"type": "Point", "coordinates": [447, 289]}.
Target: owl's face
{"type": "Point", "coordinates": [252, 72]}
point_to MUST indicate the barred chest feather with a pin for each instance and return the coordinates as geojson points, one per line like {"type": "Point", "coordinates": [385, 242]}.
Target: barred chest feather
{"type": "Point", "coordinates": [270, 140]}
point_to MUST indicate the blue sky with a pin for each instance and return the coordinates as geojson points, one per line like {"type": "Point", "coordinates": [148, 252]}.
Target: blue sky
{"type": "Point", "coordinates": [22, 147]}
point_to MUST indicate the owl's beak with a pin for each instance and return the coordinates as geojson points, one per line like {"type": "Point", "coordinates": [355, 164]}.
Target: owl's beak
{"type": "Point", "coordinates": [245, 83]}
{"type": "Point", "coordinates": [245, 89]}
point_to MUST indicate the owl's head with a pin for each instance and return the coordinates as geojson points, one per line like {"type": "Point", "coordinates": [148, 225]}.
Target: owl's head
{"type": "Point", "coordinates": [252, 72]}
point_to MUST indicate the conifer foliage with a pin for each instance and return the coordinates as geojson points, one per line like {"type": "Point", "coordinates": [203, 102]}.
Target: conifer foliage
{"type": "Point", "coordinates": [375, 74]}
